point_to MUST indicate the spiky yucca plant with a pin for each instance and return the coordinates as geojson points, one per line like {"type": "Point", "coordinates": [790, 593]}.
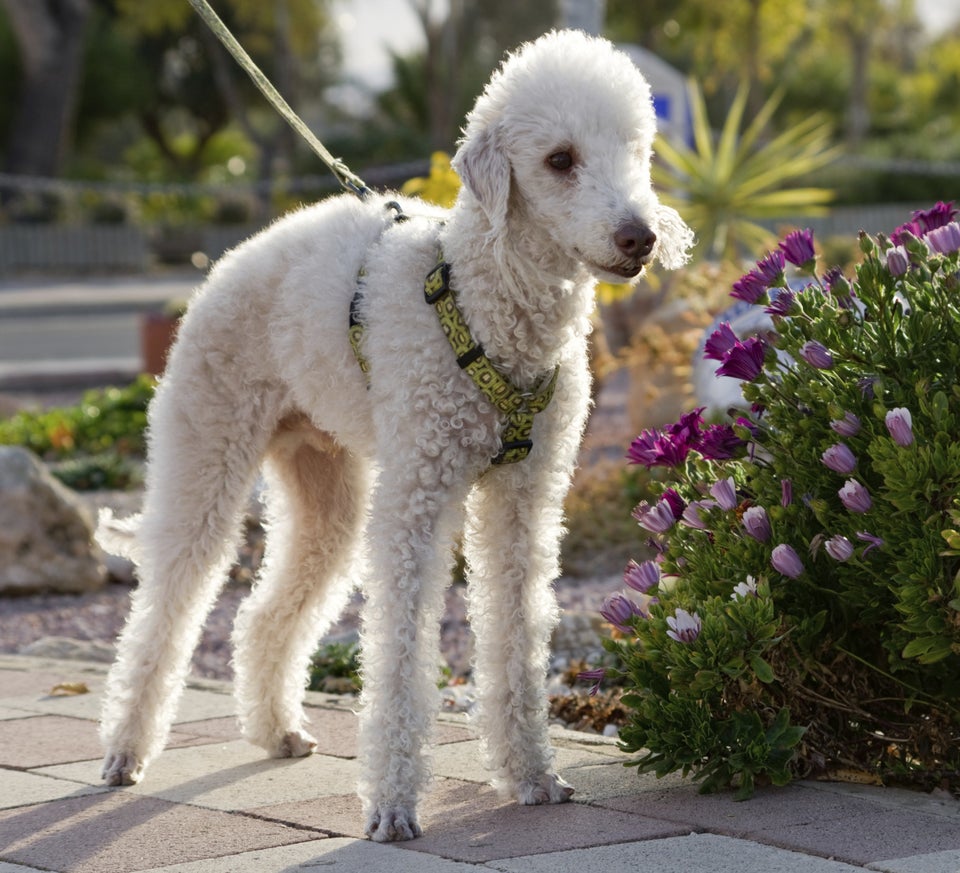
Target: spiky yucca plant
{"type": "Point", "coordinates": [725, 184]}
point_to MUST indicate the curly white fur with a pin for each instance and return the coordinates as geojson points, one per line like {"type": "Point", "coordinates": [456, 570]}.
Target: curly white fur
{"type": "Point", "coordinates": [262, 373]}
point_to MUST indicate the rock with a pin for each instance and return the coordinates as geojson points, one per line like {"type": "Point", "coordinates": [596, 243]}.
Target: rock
{"type": "Point", "coordinates": [46, 533]}
{"type": "Point", "coordinates": [67, 649]}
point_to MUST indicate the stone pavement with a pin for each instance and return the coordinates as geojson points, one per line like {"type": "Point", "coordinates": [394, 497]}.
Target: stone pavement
{"type": "Point", "coordinates": [214, 804]}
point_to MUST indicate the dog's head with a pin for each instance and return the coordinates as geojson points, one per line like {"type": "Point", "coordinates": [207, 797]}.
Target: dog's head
{"type": "Point", "coordinates": [562, 137]}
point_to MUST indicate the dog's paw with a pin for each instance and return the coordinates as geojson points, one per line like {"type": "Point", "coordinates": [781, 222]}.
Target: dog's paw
{"type": "Point", "coordinates": [295, 744]}
{"type": "Point", "coordinates": [121, 768]}
{"type": "Point", "coordinates": [389, 824]}
{"type": "Point", "coordinates": [549, 788]}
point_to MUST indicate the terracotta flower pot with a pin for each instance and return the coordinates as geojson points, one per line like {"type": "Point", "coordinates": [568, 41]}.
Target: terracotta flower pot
{"type": "Point", "coordinates": [157, 333]}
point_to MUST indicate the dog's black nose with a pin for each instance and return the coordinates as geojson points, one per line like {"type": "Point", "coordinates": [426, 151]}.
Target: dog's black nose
{"type": "Point", "coordinates": [634, 240]}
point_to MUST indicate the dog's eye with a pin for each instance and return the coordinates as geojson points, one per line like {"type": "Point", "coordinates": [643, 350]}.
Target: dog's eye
{"type": "Point", "coordinates": [561, 161]}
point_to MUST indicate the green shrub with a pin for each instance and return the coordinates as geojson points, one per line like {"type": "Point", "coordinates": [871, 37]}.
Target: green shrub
{"type": "Point", "coordinates": [95, 443]}
{"type": "Point", "coordinates": [803, 614]}
{"type": "Point", "coordinates": [335, 668]}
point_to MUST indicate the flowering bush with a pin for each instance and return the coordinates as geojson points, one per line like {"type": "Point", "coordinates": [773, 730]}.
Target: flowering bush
{"type": "Point", "coordinates": [802, 613]}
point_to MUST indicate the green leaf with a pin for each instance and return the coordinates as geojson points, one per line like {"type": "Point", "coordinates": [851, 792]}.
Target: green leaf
{"type": "Point", "coordinates": [764, 672]}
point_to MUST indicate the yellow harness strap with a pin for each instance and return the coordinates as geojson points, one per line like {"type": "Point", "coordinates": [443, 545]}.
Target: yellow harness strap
{"type": "Point", "coordinates": [518, 407]}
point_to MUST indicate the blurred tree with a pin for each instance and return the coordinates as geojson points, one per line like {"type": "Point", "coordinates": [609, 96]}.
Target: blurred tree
{"type": "Point", "coordinates": [435, 88]}
{"type": "Point", "coordinates": [156, 63]}
{"type": "Point", "coordinates": [49, 37]}
{"type": "Point", "coordinates": [199, 89]}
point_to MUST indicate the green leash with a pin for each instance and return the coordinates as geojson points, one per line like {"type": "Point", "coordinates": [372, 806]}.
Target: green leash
{"type": "Point", "coordinates": [348, 180]}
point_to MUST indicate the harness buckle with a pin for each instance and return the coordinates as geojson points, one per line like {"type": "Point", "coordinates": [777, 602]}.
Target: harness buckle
{"type": "Point", "coordinates": [437, 284]}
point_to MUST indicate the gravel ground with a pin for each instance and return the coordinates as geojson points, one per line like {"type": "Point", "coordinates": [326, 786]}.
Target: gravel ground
{"type": "Point", "coordinates": [99, 617]}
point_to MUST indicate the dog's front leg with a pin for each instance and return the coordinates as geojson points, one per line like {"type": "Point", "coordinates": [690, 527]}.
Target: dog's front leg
{"type": "Point", "coordinates": [410, 535]}
{"type": "Point", "coordinates": [514, 523]}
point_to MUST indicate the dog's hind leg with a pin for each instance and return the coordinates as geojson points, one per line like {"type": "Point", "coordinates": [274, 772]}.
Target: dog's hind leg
{"type": "Point", "coordinates": [204, 451]}
{"type": "Point", "coordinates": [316, 496]}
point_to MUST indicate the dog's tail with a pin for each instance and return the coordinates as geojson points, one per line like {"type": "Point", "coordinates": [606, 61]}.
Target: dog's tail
{"type": "Point", "coordinates": [118, 536]}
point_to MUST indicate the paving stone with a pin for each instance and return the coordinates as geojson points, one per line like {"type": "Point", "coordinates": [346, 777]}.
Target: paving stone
{"type": "Point", "coordinates": [463, 761]}
{"type": "Point", "coordinates": [473, 823]}
{"type": "Point", "coordinates": [9, 712]}
{"type": "Point", "coordinates": [934, 862]}
{"type": "Point", "coordinates": [54, 739]}
{"type": "Point", "coordinates": [47, 739]}
{"type": "Point", "coordinates": [940, 803]}
{"type": "Point", "coordinates": [469, 822]}
{"type": "Point", "coordinates": [195, 705]}
{"type": "Point", "coordinates": [38, 684]}
{"type": "Point", "coordinates": [116, 832]}
{"type": "Point", "coordinates": [595, 782]}
{"type": "Point", "coordinates": [342, 855]}
{"type": "Point", "coordinates": [862, 836]}
{"type": "Point", "coordinates": [230, 776]}
{"type": "Point", "coordinates": [25, 789]}
{"type": "Point", "coordinates": [697, 853]}
{"type": "Point", "coordinates": [845, 826]}
{"type": "Point", "coordinates": [680, 801]}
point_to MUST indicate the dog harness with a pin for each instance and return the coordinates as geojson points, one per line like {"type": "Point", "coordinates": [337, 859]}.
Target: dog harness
{"type": "Point", "coordinates": [518, 407]}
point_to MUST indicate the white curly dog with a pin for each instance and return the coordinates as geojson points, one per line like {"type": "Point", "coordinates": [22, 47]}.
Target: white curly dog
{"type": "Point", "coordinates": [555, 164]}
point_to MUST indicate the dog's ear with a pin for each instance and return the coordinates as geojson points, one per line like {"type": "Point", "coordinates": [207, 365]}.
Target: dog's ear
{"type": "Point", "coordinates": [674, 238]}
{"type": "Point", "coordinates": [484, 169]}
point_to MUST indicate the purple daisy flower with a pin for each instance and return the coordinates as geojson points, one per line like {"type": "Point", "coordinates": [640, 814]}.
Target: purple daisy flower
{"type": "Point", "coordinates": [674, 501]}
{"type": "Point", "coordinates": [719, 442]}
{"type": "Point", "coordinates": [720, 342]}
{"type": "Point", "coordinates": [847, 426]}
{"type": "Point", "coordinates": [936, 216]}
{"type": "Point", "coordinates": [786, 492]}
{"type": "Point", "coordinates": [596, 676]}
{"type": "Point", "coordinates": [816, 355]}
{"type": "Point", "coordinates": [785, 560]}
{"type": "Point", "coordinates": [770, 268]}
{"type": "Point", "coordinates": [797, 248]}
{"type": "Point", "coordinates": [900, 424]}
{"type": "Point", "coordinates": [898, 261]}
{"type": "Point", "coordinates": [642, 577]}
{"type": "Point", "coordinates": [618, 610]}
{"type": "Point", "coordinates": [691, 515]}
{"type": "Point", "coordinates": [839, 458]}
{"type": "Point", "coordinates": [744, 360]}
{"type": "Point", "coordinates": [724, 492]}
{"type": "Point", "coordinates": [750, 287]}
{"type": "Point", "coordinates": [839, 548]}
{"type": "Point", "coordinates": [911, 230]}
{"type": "Point", "coordinates": [783, 304]}
{"type": "Point", "coordinates": [684, 626]}
{"type": "Point", "coordinates": [945, 240]}
{"type": "Point", "coordinates": [756, 522]}
{"type": "Point", "coordinates": [855, 497]}
{"type": "Point", "coordinates": [867, 537]}
{"type": "Point", "coordinates": [655, 449]}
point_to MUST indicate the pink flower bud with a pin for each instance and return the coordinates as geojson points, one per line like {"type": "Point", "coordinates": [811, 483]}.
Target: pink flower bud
{"type": "Point", "coordinates": [839, 458]}
{"type": "Point", "coordinates": [756, 522]}
{"type": "Point", "coordinates": [839, 548]}
{"type": "Point", "coordinates": [900, 424]}
{"type": "Point", "coordinates": [855, 496]}
{"type": "Point", "coordinates": [785, 560]}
